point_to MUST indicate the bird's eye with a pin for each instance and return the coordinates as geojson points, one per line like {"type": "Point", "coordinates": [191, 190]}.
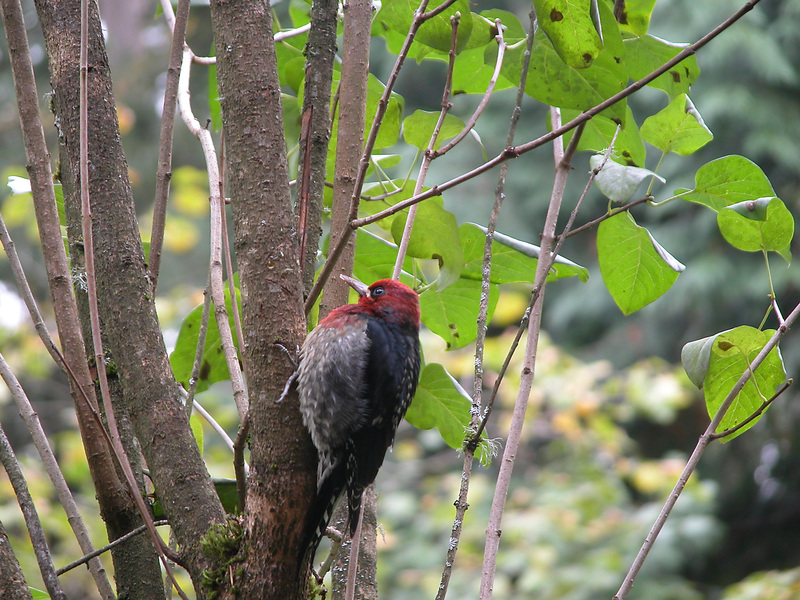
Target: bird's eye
{"type": "Point", "coordinates": [378, 291]}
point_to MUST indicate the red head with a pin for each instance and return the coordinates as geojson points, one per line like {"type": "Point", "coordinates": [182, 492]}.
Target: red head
{"type": "Point", "coordinates": [387, 298]}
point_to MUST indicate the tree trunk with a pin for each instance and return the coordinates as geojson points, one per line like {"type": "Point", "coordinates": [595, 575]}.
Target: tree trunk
{"type": "Point", "coordinates": [282, 465]}
{"type": "Point", "coordinates": [126, 304]}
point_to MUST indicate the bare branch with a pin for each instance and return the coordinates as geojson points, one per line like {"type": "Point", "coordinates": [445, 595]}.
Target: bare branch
{"type": "Point", "coordinates": [428, 156]}
{"type": "Point", "coordinates": [216, 217]}
{"type": "Point", "coordinates": [757, 413]}
{"type": "Point", "coordinates": [476, 423]}
{"type": "Point", "coordinates": [164, 171]}
{"type": "Point", "coordinates": [544, 263]}
{"type": "Point", "coordinates": [694, 459]}
{"type": "Point", "coordinates": [470, 124]}
{"type": "Point", "coordinates": [34, 526]}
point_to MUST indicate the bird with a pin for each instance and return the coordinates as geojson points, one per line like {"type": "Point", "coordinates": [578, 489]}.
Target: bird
{"type": "Point", "coordinates": [358, 373]}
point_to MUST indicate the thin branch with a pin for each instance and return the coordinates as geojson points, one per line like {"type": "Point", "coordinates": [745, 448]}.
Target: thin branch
{"type": "Point", "coordinates": [40, 441]}
{"type": "Point", "coordinates": [164, 171]}
{"type": "Point", "coordinates": [199, 351]}
{"type": "Point", "coordinates": [428, 156]}
{"type": "Point", "coordinates": [757, 413]}
{"type": "Point", "coordinates": [420, 16]}
{"type": "Point", "coordinates": [471, 444]}
{"type": "Point", "coordinates": [516, 151]}
{"type": "Point", "coordinates": [473, 119]}
{"type": "Point", "coordinates": [562, 161]}
{"type": "Point", "coordinates": [94, 314]}
{"type": "Point", "coordinates": [95, 553]}
{"type": "Point", "coordinates": [216, 214]}
{"type": "Point", "coordinates": [608, 215]}
{"type": "Point", "coordinates": [32, 522]}
{"type": "Point", "coordinates": [694, 459]}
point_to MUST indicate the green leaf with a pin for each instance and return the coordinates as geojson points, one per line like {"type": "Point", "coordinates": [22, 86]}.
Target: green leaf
{"type": "Point", "coordinates": [717, 362]}
{"type": "Point", "coordinates": [196, 426]}
{"type": "Point", "coordinates": [471, 73]}
{"type": "Point", "coordinates": [434, 235]}
{"type": "Point", "coordinates": [635, 268]}
{"type": "Point", "coordinates": [39, 594]}
{"type": "Point", "coordinates": [214, 107]}
{"type": "Point", "coordinates": [452, 313]}
{"type": "Point", "coordinates": [643, 55]}
{"type": "Point", "coordinates": [728, 180]}
{"type": "Point", "coordinates": [636, 16]}
{"type": "Point", "coordinates": [441, 402]}
{"type": "Point", "coordinates": [571, 29]}
{"type": "Point", "coordinates": [418, 128]}
{"type": "Point", "coordinates": [390, 127]}
{"type": "Point", "coordinates": [512, 260]}
{"type": "Point", "coordinates": [553, 82]}
{"type": "Point", "coordinates": [599, 131]}
{"type": "Point", "coordinates": [375, 258]}
{"type": "Point", "coordinates": [617, 182]}
{"type": "Point", "coordinates": [435, 33]}
{"type": "Point", "coordinates": [773, 233]}
{"type": "Point", "coordinates": [228, 494]}
{"type": "Point", "coordinates": [678, 128]}
{"type": "Point", "coordinates": [213, 367]}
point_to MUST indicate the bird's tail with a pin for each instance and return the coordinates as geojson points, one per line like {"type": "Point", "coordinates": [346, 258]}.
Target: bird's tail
{"type": "Point", "coordinates": [330, 489]}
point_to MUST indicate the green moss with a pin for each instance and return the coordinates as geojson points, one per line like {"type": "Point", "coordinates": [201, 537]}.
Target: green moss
{"type": "Point", "coordinates": [222, 543]}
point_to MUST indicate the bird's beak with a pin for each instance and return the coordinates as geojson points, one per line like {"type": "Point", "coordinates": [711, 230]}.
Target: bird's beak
{"type": "Point", "coordinates": [361, 288]}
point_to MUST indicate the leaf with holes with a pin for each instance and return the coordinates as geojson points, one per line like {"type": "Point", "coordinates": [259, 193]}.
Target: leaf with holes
{"type": "Point", "coordinates": [571, 29]}
{"type": "Point", "coordinates": [728, 180]}
{"type": "Point", "coordinates": [717, 362]}
{"type": "Point", "coordinates": [453, 312]}
{"type": "Point", "coordinates": [772, 233]}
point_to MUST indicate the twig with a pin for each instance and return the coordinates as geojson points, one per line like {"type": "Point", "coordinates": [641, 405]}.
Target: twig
{"type": "Point", "coordinates": [694, 459]}
{"type": "Point", "coordinates": [94, 313]}
{"type": "Point", "coordinates": [32, 522]}
{"type": "Point", "coordinates": [164, 171]}
{"type": "Point", "coordinates": [608, 215]}
{"type": "Point", "coordinates": [757, 413]}
{"type": "Point", "coordinates": [473, 119]}
{"type": "Point", "coordinates": [65, 497]}
{"type": "Point", "coordinates": [428, 155]}
{"type": "Point", "coordinates": [120, 540]}
{"type": "Point", "coordinates": [199, 351]}
{"type": "Point", "coordinates": [352, 563]}
{"type": "Point", "coordinates": [516, 151]}
{"type": "Point", "coordinates": [471, 444]}
{"type": "Point", "coordinates": [562, 161]}
{"type": "Point", "coordinates": [215, 261]}
{"type": "Point", "coordinates": [336, 538]}
{"type": "Point", "coordinates": [420, 16]}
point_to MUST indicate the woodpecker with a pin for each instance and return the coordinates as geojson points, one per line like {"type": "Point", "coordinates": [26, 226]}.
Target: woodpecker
{"type": "Point", "coordinates": [358, 373]}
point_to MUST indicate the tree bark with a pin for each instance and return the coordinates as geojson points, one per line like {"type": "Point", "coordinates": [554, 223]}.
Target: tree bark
{"type": "Point", "coordinates": [12, 581]}
{"type": "Point", "coordinates": [312, 169]}
{"type": "Point", "coordinates": [282, 464]}
{"type": "Point", "coordinates": [126, 304]}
